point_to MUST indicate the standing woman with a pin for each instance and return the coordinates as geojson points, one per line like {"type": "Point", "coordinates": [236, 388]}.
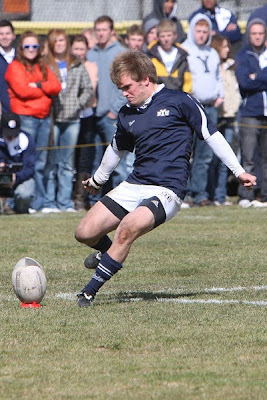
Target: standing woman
{"type": "Point", "coordinates": [227, 115]}
{"type": "Point", "coordinates": [75, 96]}
{"type": "Point", "coordinates": [85, 154]}
{"type": "Point", "coordinates": [32, 85]}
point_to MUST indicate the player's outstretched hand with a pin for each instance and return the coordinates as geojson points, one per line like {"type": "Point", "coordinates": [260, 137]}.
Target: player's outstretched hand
{"type": "Point", "coordinates": [89, 185]}
{"type": "Point", "coordinates": [247, 180]}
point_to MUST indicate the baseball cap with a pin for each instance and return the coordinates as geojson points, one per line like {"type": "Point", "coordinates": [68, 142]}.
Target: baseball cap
{"type": "Point", "coordinates": [10, 124]}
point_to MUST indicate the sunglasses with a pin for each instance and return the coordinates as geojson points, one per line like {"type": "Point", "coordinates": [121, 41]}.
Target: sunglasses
{"type": "Point", "coordinates": [30, 46]}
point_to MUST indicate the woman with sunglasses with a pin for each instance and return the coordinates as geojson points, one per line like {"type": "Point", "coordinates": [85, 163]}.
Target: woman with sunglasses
{"type": "Point", "coordinates": [75, 96]}
{"type": "Point", "coordinates": [31, 86]}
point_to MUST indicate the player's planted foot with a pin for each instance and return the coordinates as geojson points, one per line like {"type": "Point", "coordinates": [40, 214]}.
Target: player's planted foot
{"type": "Point", "coordinates": [91, 262]}
{"type": "Point", "coordinates": [85, 299]}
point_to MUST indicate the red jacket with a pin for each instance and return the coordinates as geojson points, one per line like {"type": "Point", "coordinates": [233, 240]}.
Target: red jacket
{"type": "Point", "coordinates": [26, 100]}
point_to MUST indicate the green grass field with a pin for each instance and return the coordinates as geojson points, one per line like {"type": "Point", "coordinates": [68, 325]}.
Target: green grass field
{"type": "Point", "coordinates": [184, 319]}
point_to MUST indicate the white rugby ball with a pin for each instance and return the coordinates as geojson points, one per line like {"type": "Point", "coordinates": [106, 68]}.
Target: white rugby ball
{"type": "Point", "coordinates": [29, 281]}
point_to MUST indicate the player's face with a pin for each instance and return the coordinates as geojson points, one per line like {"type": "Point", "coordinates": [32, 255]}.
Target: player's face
{"type": "Point", "coordinates": [104, 33]}
{"type": "Point", "coordinates": [166, 40]}
{"type": "Point", "coordinates": [201, 34]}
{"type": "Point", "coordinates": [79, 49]}
{"type": "Point", "coordinates": [135, 92]}
{"type": "Point", "coordinates": [135, 42]}
{"type": "Point", "coordinates": [30, 47]}
{"type": "Point", "coordinates": [257, 35]}
{"type": "Point", "coordinates": [6, 37]}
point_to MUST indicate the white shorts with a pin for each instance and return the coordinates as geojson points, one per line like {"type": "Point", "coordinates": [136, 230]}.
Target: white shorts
{"type": "Point", "coordinates": [129, 196]}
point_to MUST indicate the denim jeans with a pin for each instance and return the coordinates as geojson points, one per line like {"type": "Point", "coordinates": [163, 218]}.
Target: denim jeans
{"type": "Point", "coordinates": [85, 155]}
{"type": "Point", "coordinates": [22, 197]}
{"type": "Point", "coordinates": [218, 172]}
{"type": "Point", "coordinates": [60, 166]}
{"type": "Point", "coordinates": [253, 139]}
{"type": "Point", "coordinates": [39, 129]}
{"type": "Point", "coordinates": [202, 157]}
{"type": "Point", "coordinates": [105, 130]}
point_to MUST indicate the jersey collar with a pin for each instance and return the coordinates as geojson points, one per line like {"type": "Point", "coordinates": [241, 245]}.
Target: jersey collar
{"type": "Point", "coordinates": [148, 101]}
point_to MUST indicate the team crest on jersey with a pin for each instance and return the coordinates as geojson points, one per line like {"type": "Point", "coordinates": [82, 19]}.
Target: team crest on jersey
{"type": "Point", "coordinates": [163, 113]}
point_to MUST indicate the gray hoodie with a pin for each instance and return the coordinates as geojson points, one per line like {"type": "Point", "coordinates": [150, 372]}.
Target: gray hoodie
{"type": "Point", "coordinates": [109, 97]}
{"type": "Point", "coordinates": [204, 65]}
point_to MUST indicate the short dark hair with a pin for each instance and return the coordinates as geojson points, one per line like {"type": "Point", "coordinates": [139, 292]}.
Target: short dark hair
{"type": "Point", "coordinates": [79, 38]}
{"type": "Point", "coordinates": [135, 64]}
{"type": "Point", "coordinates": [105, 18]}
{"type": "Point", "coordinates": [5, 22]}
{"type": "Point", "coordinates": [135, 30]}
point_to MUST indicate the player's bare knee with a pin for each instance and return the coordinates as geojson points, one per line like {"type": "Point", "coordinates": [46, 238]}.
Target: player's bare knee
{"type": "Point", "coordinates": [125, 234]}
{"type": "Point", "coordinates": [84, 236]}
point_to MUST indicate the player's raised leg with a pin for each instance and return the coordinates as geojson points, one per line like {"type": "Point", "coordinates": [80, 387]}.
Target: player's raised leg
{"type": "Point", "coordinates": [133, 225]}
{"type": "Point", "coordinates": [93, 229]}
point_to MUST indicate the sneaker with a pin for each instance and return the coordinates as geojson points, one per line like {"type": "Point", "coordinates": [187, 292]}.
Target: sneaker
{"type": "Point", "coordinates": [185, 205]}
{"type": "Point", "coordinates": [225, 203]}
{"type": "Point", "coordinates": [70, 210]}
{"type": "Point", "coordinates": [32, 211]}
{"type": "Point", "coordinates": [244, 203]}
{"type": "Point", "coordinates": [91, 262]}
{"type": "Point", "coordinates": [85, 299]}
{"type": "Point", "coordinates": [47, 210]}
{"type": "Point", "coordinates": [258, 204]}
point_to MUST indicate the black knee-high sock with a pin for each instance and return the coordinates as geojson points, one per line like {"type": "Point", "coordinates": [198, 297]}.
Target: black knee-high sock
{"type": "Point", "coordinates": [104, 244]}
{"type": "Point", "coordinates": [106, 268]}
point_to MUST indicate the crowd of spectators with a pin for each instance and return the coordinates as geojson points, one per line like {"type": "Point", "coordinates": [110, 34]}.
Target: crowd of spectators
{"type": "Point", "coordinates": [59, 106]}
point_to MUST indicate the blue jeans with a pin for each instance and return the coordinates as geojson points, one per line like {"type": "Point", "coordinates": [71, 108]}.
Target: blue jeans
{"type": "Point", "coordinates": [253, 140]}
{"type": "Point", "coordinates": [105, 130]}
{"type": "Point", "coordinates": [60, 165]}
{"type": "Point", "coordinates": [218, 172]}
{"type": "Point", "coordinates": [86, 155]}
{"type": "Point", "coordinates": [39, 129]}
{"type": "Point", "coordinates": [202, 157]}
{"type": "Point", "coordinates": [23, 196]}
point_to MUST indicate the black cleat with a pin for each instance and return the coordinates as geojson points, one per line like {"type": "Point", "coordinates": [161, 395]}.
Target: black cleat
{"type": "Point", "coordinates": [85, 299]}
{"type": "Point", "coordinates": [91, 262]}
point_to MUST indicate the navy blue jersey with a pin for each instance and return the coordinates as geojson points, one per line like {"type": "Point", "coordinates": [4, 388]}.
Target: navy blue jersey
{"type": "Point", "coordinates": [162, 135]}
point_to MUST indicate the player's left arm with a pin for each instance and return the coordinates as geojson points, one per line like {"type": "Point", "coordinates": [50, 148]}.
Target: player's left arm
{"type": "Point", "coordinates": [223, 150]}
{"type": "Point", "coordinates": [200, 123]}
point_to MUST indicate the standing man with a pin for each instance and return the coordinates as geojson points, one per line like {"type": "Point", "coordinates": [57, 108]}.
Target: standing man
{"type": "Point", "coordinates": [204, 65]}
{"type": "Point", "coordinates": [169, 58]}
{"type": "Point", "coordinates": [251, 74]}
{"type": "Point", "coordinates": [7, 55]}
{"type": "Point", "coordinates": [223, 20]}
{"type": "Point", "coordinates": [135, 37]}
{"type": "Point", "coordinates": [159, 123]}
{"type": "Point", "coordinates": [166, 9]}
{"type": "Point", "coordinates": [109, 98]}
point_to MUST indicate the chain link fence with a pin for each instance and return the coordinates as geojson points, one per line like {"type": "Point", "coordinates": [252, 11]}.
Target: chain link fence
{"type": "Point", "coordinates": [120, 10]}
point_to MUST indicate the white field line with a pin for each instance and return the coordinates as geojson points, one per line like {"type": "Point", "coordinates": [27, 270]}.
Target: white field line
{"type": "Point", "coordinates": [235, 289]}
{"type": "Point", "coordinates": [72, 296]}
